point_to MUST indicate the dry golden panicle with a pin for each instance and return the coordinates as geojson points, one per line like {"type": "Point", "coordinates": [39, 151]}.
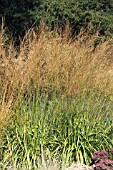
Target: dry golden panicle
{"type": "Point", "coordinates": [50, 60]}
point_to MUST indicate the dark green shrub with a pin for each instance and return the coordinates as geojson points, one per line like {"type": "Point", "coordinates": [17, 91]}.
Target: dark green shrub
{"type": "Point", "coordinates": [92, 15]}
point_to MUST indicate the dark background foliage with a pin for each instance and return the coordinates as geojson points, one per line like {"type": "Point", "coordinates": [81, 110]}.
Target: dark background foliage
{"type": "Point", "coordinates": [89, 14]}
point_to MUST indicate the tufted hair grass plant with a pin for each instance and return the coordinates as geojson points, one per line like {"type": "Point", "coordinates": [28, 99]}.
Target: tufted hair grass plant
{"type": "Point", "coordinates": [65, 129]}
{"type": "Point", "coordinates": [52, 62]}
{"type": "Point", "coordinates": [55, 99]}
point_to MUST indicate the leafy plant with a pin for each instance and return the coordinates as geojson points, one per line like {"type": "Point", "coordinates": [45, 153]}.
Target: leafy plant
{"type": "Point", "coordinates": [101, 160]}
{"type": "Point", "coordinates": [51, 100]}
{"type": "Point", "coordinates": [63, 128]}
{"type": "Point", "coordinates": [88, 14]}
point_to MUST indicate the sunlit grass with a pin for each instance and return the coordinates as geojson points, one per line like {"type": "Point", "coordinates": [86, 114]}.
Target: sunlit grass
{"type": "Point", "coordinates": [55, 99]}
{"type": "Point", "coordinates": [70, 129]}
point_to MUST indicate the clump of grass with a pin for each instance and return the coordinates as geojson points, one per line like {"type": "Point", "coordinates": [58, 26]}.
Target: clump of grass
{"type": "Point", "coordinates": [43, 87]}
{"type": "Point", "coordinates": [70, 130]}
{"type": "Point", "coordinates": [48, 60]}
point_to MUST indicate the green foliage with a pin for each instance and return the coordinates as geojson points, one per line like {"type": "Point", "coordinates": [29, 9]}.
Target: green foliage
{"type": "Point", "coordinates": [94, 15]}
{"type": "Point", "coordinates": [68, 129]}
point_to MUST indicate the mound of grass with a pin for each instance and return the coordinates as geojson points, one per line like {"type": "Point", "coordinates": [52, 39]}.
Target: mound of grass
{"type": "Point", "coordinates": [54, 99]}
{"type": "Point", "coordinates": [70, 129]}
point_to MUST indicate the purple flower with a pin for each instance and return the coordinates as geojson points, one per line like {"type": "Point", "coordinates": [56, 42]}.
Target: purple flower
{"type": "Point", "coordinates": [106, 161]}
{"type": "Point", "coordinates": [96, 156]}
{"type": "Point", "coordinates": [100, 155]}
{"type": "Point", "coordinates": [103, 155]}
{"type": "Point", "coordinates": [111, 150]}
{"type": "Point", "coordinates": [100, 166]}
{"type": "Point", "coordinates": [101, 161]}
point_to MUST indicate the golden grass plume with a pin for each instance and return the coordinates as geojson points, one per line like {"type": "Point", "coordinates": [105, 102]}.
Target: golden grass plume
{"type": "Point", "coordinates": [46, 59]}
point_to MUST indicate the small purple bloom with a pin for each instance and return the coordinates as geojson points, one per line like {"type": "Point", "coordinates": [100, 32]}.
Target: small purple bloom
{"type": "Point", "coordinates": [96, 156]}
{"type": "Point", "coordinates": [101, 161]}
{"type": "Point", "coordinates": [100, 155]}
{"type": "Point", "coordinates": [103, 155]}
{"type": "Point", "coordinates": [108, 162]}
{"type": "Point", "coordinates": [100, 166]}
